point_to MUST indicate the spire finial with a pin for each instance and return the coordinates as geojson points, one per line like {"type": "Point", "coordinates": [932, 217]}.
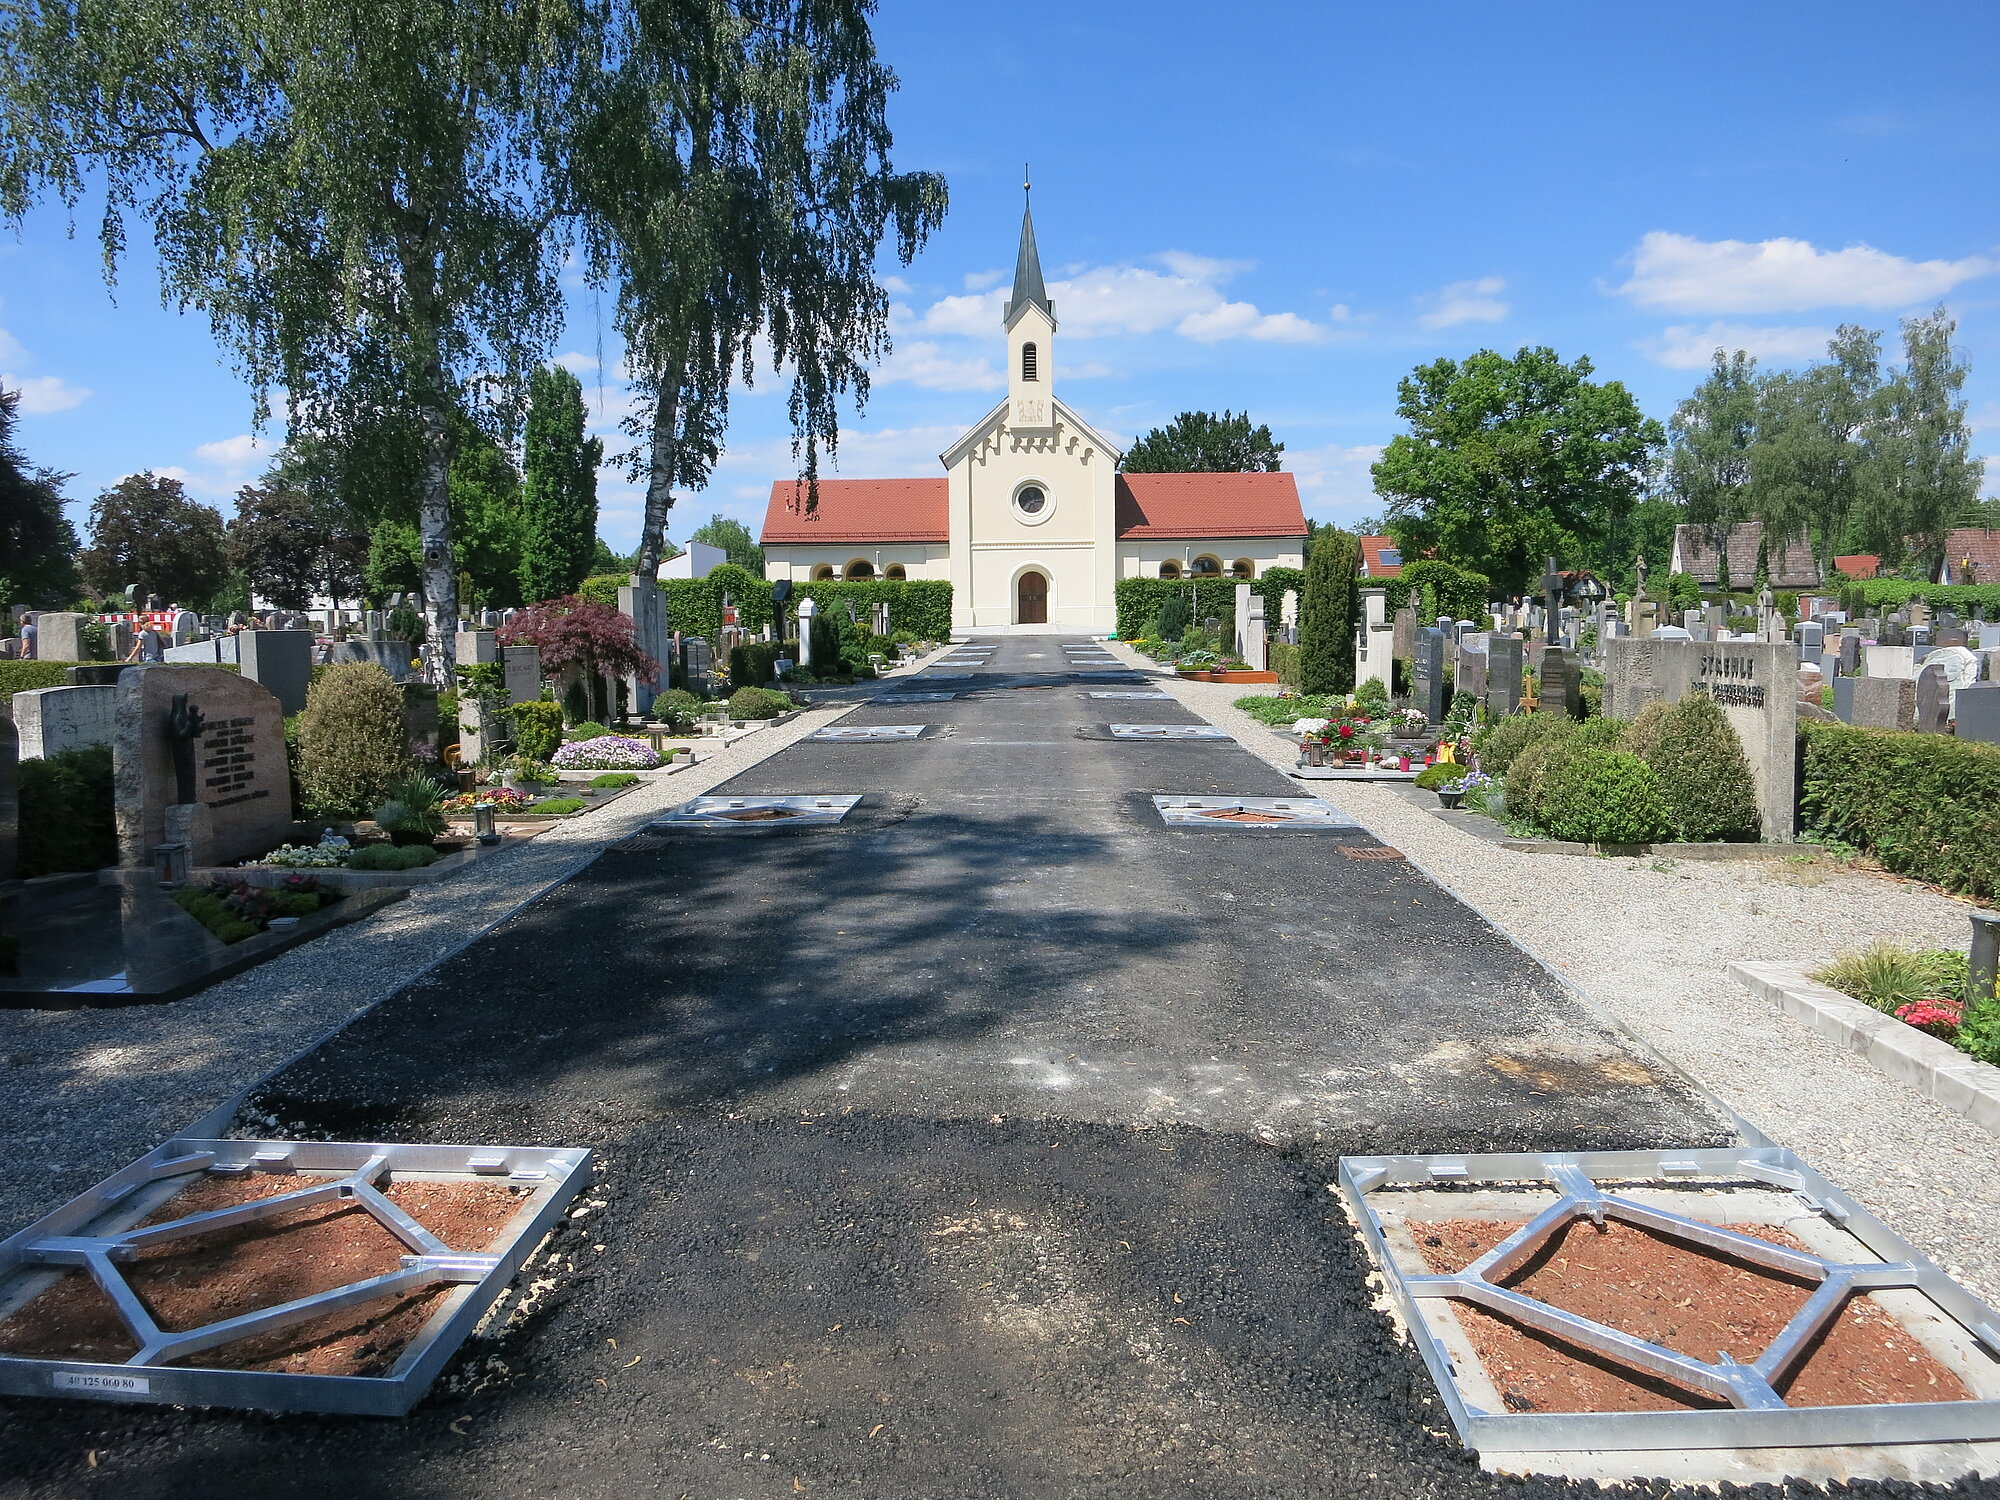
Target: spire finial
{"type": "Point", "coordinates": [1028, 288]}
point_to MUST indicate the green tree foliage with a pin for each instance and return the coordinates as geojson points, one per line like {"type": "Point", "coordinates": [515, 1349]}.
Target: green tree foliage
{"type": "Point", "coordinates": [1201, 442]}
{"type": "Point", "coordinates": [1328, 608]}
{"type": "Point", "coordinates": [1712, 432]}
{"type": "Point", "coordinates": [1511, 459]}
{"type": "Point", "coordinates": [68, 817]}
{"type": "Point", "coordinates": [734, 538]}
{"type": "Point", "coordinates": [37, 543]}
{"type": "Point", "coordinates": [352, 745]}
{"type": "Point", "coordinates": [559, 488]}
{"type": "Point", "coordinates": [1454, 591]}
{"type": "Point", "coordinates": [292, 546]}
{"type": "Point", "coordinates": [1647, 530]}
{"type": "Point", "coordinates": [146, 534]}
{"type": "Point", "coordinates": [486, 519]}
{"type": "Point", "coordinates": [1921, 479]}
{"type": "Point", "coordinates": [1602, 796]}
{"type": "Point", "coordinates": [1806, 465]}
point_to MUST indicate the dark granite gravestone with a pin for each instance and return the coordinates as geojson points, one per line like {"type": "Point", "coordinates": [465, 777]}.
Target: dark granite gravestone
{"type": "Point", "coordinates": [695, 662]}
{"type": "Point", "coordinates": [1561, 684]}
{"type": "Point", "coordinates": [1978, 714]}
{"type": "Point", "coordinates": [1427, 674]}
{"type": "Point", "coordinates": [1895, 633]}
{"type": "Point", "coordinates": [1875, 702]}
{"type": "Point", "coordinates": [1952, 635]}
{"type": "Point", "coordinates": [1850, 653]}
{"type": "Point", "coordinates": [1503, 675]}
{"type": "Point", "coordinates": [1405, 637]}
{"type": "Point", "coordinates": [1933, 701]}
{"type": "Point", "coordinates": [1470, 676]}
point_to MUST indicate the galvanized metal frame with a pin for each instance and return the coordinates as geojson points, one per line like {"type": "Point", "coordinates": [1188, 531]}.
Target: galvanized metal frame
{"type": "Point", "coordinates": [1150, 694]}
{"type": "Point", "coordinates": [1168, 732]}
{"type": "Point", "coordinates": [894, 697]}
{"type": "Point", "coordinates": [1297, 812]}
{"type": "Point", "coordinates": [1758, 1416]}
{"type": "Point", "coordinates": [95, 1233]}
{"type": "Point", "coordinates": [811, 810]}
{"type": "Point", "coordinates": [869, 732]}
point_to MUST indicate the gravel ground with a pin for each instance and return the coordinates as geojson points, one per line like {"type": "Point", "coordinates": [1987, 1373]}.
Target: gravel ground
{"type": "Point", "coordinates": [1646, 942]}
{"type": "Point", "coordinates": [82, 1092]}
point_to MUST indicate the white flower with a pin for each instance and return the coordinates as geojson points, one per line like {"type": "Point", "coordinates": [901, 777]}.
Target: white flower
{"type": "Point", "coordinates": [1309, 726]}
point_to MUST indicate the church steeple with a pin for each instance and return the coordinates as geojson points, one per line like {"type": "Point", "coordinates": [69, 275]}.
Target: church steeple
{"type": "Point", "coordinates": [1028, 288]}
{"type": "Point", "coordinates": [1031, 336]}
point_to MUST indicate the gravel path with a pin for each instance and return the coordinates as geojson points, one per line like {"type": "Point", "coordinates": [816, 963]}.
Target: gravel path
{"type": "Point", "coordinates": [1646, 942]}
{"type": "Point", "coordinates": [82, 1092]}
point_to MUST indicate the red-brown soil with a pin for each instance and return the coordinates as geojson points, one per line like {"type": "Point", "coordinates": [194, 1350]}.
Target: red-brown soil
{"type": "Point", "coordinates": [1693, 1301]}
{"type": "Point", "coordinates": [1245, 815]}
{"type": "Point", "coordinates": [227, 1272]}
{"type": "Point", "coordinates": [759, 814]}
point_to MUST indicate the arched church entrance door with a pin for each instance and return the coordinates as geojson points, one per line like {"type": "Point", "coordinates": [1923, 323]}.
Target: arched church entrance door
{"type": "Point", "coordinates": [1032, 599]}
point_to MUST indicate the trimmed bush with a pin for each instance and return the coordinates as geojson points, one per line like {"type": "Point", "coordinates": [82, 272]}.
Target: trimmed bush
{"type": "Point", "coordinates": [1705, 782]}
{"type": "Point", "coordinates": [1926, 805]}
{"type": "Point", "coordinates": [1531, 772]}
{"type": "Point", "coordinates": [1141, 601]}
{"type": "Point", "coordinates": [68, 819]}
{"type": "Point", "coordinates": [1597, 796]}
{"type": "Point", "coordinates": [1283, 658]}
{"type": "Point", "coordinates": [921, 606]}
{"type": "Point", "coordinates": [559, 805]}
{"type": "Point", "coordinates": [589, 729]}
{"type": "Point", "coordinates": [1502, 740]}
{"type": "Point", "coordinates": [1371, 698]}
{"type": "Point", "coordinates": [676, 706]}
{"type": "Point", "coordinates": [393, 857]}
{"type": "Point", "coordinates": [1433, 777]}
{"type": "Point", "coordinates": [351, 744]}
{"type": "Point", "coordinates": [25, 676]}
{"type": "Point", "coordinates": [611, 780]}
{"type": "Point", "coordinates": [538, 728]}
{"type": "Point", "coordinates": [757, 703]}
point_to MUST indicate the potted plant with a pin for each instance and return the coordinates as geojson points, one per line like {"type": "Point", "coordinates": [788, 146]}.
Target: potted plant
{"type": "Point", "coordinates": [521, 774]}
{"type": "Point", "coordinates": [1452, 793]}
{"type": "Point", "coordinates": [414, 811]}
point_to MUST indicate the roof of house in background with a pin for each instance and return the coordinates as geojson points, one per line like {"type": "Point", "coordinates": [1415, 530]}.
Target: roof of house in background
{"type": "Point", "coordinates": [1209, 505]}
{"type": "Point", "coordinates": [1696, 554]}
{"type": "Point", "coordinates": [858, 510]}
{"type": "Point", "coordinates": [1380, 557]}
{"type": "Point", "coordinates": [1859, 564]}
{"type": "Point", "coordinates": [1971, 555]}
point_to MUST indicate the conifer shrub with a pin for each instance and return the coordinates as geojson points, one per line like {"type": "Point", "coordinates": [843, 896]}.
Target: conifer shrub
{"type": "Point", "coordinates": [538, 728]}
{"type": "Point", "coordinates": [351, 742]}
{"type": "Point", "coordinates": [757, 703]}
{"type": "Point", "coordinates": [676, 706]}
{"type": "Point", "coordinates": [1706, 787]}
{"type": "Point", "coordinates": [1174, 616]}
{"type": "Point", "coordinates": [1598, 796]}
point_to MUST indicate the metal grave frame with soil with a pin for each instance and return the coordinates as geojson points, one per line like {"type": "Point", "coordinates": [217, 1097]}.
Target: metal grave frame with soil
{"type": "Point", "coordinates": [895, 697]}
{"type": "Point", "coordinates": [95, 1232]}
{"type": "Point", "coordinates": [1168, 732]}
{"type": "Point", "coordinates": [1757, 1416]}
{"type": "Point", "coordinates": [869, 732]}
{"type": "Point", "coordinates": [757, 814]}
{"type": "Point", "coordinates": [1150, 694]}
{"type": "Point", "coordinates": [1252, 814]}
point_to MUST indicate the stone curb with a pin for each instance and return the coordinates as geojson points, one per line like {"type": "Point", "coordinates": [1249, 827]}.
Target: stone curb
{"type": "Point", "coordinates": [1717, 852]}
{"type": "Point", "coordinates": [1959, 1083]}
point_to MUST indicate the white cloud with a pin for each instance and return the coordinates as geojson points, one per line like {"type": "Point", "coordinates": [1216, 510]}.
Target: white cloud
{"type": "Point", "coordinates": [1465, 302]}
{"type": "Point", "coordinates": [1684, 274]}
{"type": "Point", "coordinates": [45, 393]}
{"type": "Point", "coordinates": [235, 453]}
{"type": "Point", "coordinates": [979, 281]}
{"type": "Point", "coordinates": [924, 363]}
{"type": "Point", "coordinates": [1334, 482]}
{"type": "Point", "coordinates": [578, 364]}
{"type": "Point", "coordinates": [1687, 348]}
{"type": "Point", "coordinates": [10, 347]}
{"type": "Point", "coordinates": [1103, 300]}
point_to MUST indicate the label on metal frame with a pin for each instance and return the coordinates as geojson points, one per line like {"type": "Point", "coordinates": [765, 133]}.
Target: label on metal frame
{"type": "Point", "coordinates": [131, 1385]}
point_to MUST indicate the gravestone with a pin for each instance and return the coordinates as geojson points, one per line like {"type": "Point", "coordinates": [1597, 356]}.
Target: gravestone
{"type": "Point", "coordinates": [1503, 675]}
{"type": "Point", "coordinates": [10, 802]}
{"type": "Point", "coordinates": [1256, 638]}
{"type": "Point", "coordinates": [476, 648]}
{"type": "Point", "coordinates": [1894, 632]}
{"type": "Point", "coordinates": [59, 636]}
{"type": "Point", "coordinates": [1960, 668]}
{"type": "Point", "coordinates": [1405, 642]}
{"type": "Point", "coordinates": [1875, 702]}
{"type": "Point", "coordinates": [1890, 661]}
{"type": "Point", "coordinates": [280, 660]}
{"type": "Point", "coordinates": [1933, 701]}
{"type": "Point", "coordinates": [1427, 674]}
{"type": "Point", "coordinates": [696, 659]}
{"type": "Point", "coordinates": [1812, 640]}
{"type": "Point", "coordinates": [1639, 671]}
{"type": "Point", "coordinates": [524, 672]}
{"type": "Point", "coordinates": [1754, 684]}
{"type": "Point", "coordinates": [1920, 612]}
{"type": "Point", "coordinates": [481, 729]}
{"type": "Point", "coordinates": [1470, 676]}
{"type": "Point", "coordinates": [1850, 652]}
{"type": "Point", "coordinates": [201, 752]}
{"type": "Point", "coordinates": [1952, 635]}
{"type": "Point", "coordinates": [63, 718]}
{"type": "Point", "coordinates": [808, 610]}
{"type": "Point", "coordinates": [878, 616]}
{"type": "Point", "coordinates": [1374, 640]}
{"type": "Point", "coordinates": [187, 626]}
{"type": "Point", "coordinates": [1979, 713]}
{"type": "Point", "coordinates": [420, 716]}
{"type": "Point", "coordinates": [1561, 684]}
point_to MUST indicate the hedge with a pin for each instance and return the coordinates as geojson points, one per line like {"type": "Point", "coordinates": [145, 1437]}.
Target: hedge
{"type": "Point", "coordinates": [922, 606]}
{"type": "Point", "coordinates": [26, 676]}
{"type": "Point", "coordinates": [67, 816]}
{"type": "Point", "coordinates": [1141, 599]}
{"type": "Point", "coordinates": [1283, 658]}
{"type": "Point", "coordinates": [1926, 805]}
{"type": "Point", "coordinates": [1895, 592]}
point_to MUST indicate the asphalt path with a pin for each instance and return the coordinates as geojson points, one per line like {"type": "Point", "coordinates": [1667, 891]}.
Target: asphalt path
{"type": "Point", "coordinates": [977, 1146]}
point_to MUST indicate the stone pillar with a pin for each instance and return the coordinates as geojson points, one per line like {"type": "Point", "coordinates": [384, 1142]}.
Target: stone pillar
{"type": "Point", "coordinates": [808, 607]}
{"type": "Point", "coordinates": [1374, 644]}
{"type": "Point", "coordinates": [1256, 643]}
{"type": "Point", "coordinates": [477, 648]}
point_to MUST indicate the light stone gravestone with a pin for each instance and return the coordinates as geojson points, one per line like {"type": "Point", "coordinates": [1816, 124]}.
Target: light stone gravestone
{"type": "Point", "coordinates": [1754, 683]}
{"type": "Point", "coordinates": [1427, 674]}
{"type": "Point", "coordinates": [1374, 640]}
{"type": "Point", "coordinates": [187, 626]}
{"type": "Point", "coordinates": [1470, 675]}
{"type": "Point", "coordinates": [1890, 661]}
{"type": "Point", "coordinates": [1256, 638]}
{"type": "Point", "coordinates": [1875, 702]}
{"type": "Point", "coordinates": [225, 789]}
{"type": "Point", "coordinates": [1503, 675]}
{"type": "Point", "coordinates": [1933, 701]}
{"type": "Point", "coordinates": [524, 672]}
{"type": "Point", "coordinates": [1960, 668]}
{"type": "Point", "coordinates": [476, 648]}
{"type": "Point", "coordinates": [481, 729]}
{"type": "Point", "coordinates": [1812, 640]}
{"type": "Point", "coordinates": [64, 718]}
{"type": "Point", "coordinates": [59, 636]}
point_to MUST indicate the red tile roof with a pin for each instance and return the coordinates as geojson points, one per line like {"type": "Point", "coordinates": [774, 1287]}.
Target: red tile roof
{"type": "Point", "coordinates": [1972, 555]}
{"type": "Point", "coordinates": [1205, 505]}
{"type": "Point", "coordinates": [1859, 565]}
{"type": "Point", "coordinates": [1372, 549]}
{"type": "Point", "coordinates": [858, 510]}
{"type": "Point", "coordinates": [1791, 566]}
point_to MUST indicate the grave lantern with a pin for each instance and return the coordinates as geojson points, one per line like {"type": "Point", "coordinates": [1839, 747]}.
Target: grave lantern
{"type": "Point", "coordinates": [482, 823]}
{"type": "Point", "coordinates": [170, 863]}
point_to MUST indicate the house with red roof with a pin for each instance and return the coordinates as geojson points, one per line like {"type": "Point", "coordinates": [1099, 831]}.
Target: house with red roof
{"type": "Point", "coordinates": [1031, 521]}
{"type": "Point", "coordinates": [1971, 555]}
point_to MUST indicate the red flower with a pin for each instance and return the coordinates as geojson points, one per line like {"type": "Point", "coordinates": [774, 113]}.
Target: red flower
{"type": "Point", "coordinates": [1938, 1017]}
{"type": "Point", "coordinates": [1347, 731]}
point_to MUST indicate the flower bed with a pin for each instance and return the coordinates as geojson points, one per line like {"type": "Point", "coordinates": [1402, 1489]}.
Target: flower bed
{"type": "Point", "coordinates": [1927, 988]}
{"type": "Point", "coordinates": [498, 798]}
{"type": "Point", "coordinates": [609, 752]}
{"type": "Point", "coordinates": [235, 911]}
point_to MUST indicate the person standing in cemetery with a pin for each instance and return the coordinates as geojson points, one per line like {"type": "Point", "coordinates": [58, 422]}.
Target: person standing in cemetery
{"type": "Point", "coordinates": [29, 636]}
{"type": "Point", "coordinates": [148, 646]}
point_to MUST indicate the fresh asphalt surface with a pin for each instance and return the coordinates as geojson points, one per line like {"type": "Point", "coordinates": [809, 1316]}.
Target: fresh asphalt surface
{"type": "Point", "coordinates": [976, 1147]}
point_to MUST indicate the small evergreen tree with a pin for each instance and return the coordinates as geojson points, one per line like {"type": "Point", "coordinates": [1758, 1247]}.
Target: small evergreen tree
{"type": "Point", "coordinates": [1327, 607]}
{"type": "Point", "coordinates": [1706, 788]}
{"type": "Point", "coordinates": [352, 744]}
{"type": "Point", "coordinates": [1174, 616]}
{"type": "Point", "coordinates": [558, 490]}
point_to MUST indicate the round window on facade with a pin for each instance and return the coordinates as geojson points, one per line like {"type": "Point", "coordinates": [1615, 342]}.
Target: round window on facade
{"type": "Point", "coordinates": [1031, 500]}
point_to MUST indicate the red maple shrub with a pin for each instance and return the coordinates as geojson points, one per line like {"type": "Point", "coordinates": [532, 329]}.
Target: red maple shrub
{"type": "Point", "coordinates": [572, 631]}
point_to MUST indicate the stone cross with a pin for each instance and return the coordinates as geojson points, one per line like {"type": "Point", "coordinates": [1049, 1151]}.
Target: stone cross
{"type": "Point", "coordinates": [1552, 583]}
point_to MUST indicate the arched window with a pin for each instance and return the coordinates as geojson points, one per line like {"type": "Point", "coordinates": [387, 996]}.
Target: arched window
{"type": "Point", "coordinates": [1243, 568]}
{"type": "Point", "coordinates": [1171, 568]}
{"type": "Point", "coordinates": [1207, 567]}
{"type": "Point", "coordinates": [1028, 362]}
{"type": "Point", "coordinates": [861, 567]}
{"type": "Point", "coordinates": [823, 573]}
{"type": "Point", "coordinates": [895, 572]}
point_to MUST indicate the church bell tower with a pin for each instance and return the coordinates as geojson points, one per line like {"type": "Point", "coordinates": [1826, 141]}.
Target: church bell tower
{"type": "Point", "coordinates": [1031, 328]}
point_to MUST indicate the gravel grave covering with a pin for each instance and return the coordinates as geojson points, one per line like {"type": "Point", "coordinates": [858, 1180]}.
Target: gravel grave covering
{"type": "Point", "coordinates": [83, 1092]}
{"type": "Point", "coordinates": [1646, 941]}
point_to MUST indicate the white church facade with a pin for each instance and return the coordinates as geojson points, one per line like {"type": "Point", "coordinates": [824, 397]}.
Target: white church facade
{"type": "Point", "coordinates": [1031, 521]}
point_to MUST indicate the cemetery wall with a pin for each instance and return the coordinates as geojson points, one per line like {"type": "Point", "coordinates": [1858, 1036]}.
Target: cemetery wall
{"type": "Point", "coordinates": [1926, 805]}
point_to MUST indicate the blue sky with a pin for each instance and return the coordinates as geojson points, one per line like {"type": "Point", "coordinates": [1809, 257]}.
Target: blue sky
{"type": "Point", "coordinates": [1278, 207]}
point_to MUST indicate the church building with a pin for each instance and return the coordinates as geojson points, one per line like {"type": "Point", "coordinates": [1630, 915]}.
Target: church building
{"type": "Point", "coordinates": [1031, 521]}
